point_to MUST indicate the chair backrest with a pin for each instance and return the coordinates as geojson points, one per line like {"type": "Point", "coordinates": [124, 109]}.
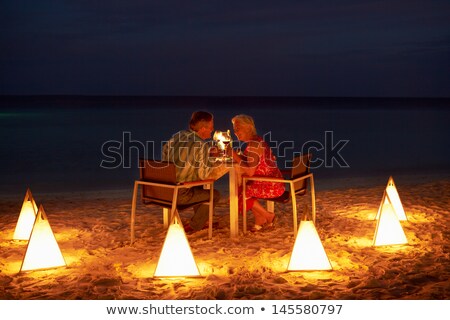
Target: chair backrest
{"type": "Point", "coordinates": [158, 172]}
{"type": "Point", "coordinates": [300, 167]}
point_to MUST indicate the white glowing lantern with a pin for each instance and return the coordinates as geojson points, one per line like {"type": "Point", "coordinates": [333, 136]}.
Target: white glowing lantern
{"type": "Point", "coordinates": [26, 218]}
{"type": "Point", "coordinates": [391, 195]}
{"type": "Point", "coordinates": [308, 253]}
{"type": "Point", "coordinates": [42, 251]}
{"type": "Point", "coordinates": [176, 259]}
{"type": "Point", "coordinates": [388, 231]}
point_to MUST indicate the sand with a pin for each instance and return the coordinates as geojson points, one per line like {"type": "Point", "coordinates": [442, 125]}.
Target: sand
{"type": "Point", "coordinates": [93, 233]}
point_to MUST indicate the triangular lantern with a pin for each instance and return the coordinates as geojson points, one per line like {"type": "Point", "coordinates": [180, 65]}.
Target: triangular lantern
{"type": "Point", "coordinates": [26, 218]}
{"type": "Point", "coordinates": [42, 251]}
{"type": "Point", "coordinates": [388, 231]}
{"type": "Point", "coordinates": [391, 195]}
{"type": "Point", "coordinates": [176, 259]}
{"type": "Point", "coordinates": [308, 253]}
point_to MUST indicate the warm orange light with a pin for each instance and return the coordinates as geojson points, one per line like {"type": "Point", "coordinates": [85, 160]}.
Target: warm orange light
{"type": "Point", "coordinates": [26, 218]}
{"type": "Point", "coordinates": [308, 252]}
{"type": "Point", "coordinates": [394, 197]}
{"type": "Point", "coordinates": [42, 251]}
{"type": "Point", "coordinates": [223, 139]}
{"type": "Point", "coordinates": [176, 259]}
{"type": "Point", "coordinates": [388, 231]}
{"type": "Point", "coordinates": [391, 195]}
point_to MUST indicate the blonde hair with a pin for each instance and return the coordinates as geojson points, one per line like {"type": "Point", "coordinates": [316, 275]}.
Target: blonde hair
{"type": "Point", "coordinates": [245, 121]}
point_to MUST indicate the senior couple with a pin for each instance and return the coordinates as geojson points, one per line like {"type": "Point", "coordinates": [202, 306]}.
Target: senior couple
{"type": "Point", "coordinates": [190, 152]}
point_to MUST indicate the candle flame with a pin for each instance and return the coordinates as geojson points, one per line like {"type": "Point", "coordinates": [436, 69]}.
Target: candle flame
{"type": "Point", "coordinates": [222, 138]}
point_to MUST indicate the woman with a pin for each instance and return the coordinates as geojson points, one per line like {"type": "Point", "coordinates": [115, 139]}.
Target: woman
{"type": "Point", "coordinates": [256, 160]}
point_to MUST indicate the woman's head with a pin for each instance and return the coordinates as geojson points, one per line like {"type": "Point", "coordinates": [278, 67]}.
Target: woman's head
{"type": "Point", "coordinates": [244, 127]}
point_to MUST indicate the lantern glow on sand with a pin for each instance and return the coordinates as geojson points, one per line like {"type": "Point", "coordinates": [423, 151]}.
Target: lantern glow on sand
{"type": "Point", "coordinates": [176, 258]}
{"type": "Point", "coordinates": [308, 253]}
{"type": "Point", "coordinates": [388, 231]}
{"type": "Point", "coordinates": [26, 218]}
{"type": "Point", "coordinates": [42, 251]}
{"type": "Point", "coordinates": [391, 195]}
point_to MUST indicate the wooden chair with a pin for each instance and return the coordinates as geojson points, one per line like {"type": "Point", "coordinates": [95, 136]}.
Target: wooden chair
{"type": "Point", "coordinates": [160, 187]}
{"type": "Point", "coordinates": [297, 178]}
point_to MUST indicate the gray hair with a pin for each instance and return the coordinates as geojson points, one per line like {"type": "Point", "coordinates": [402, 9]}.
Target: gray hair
{"type": "Point", "coordinates": [246, 121]}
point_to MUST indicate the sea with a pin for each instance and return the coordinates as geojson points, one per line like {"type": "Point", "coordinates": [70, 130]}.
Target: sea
{"type": "Point", "coordinates": [86, 143]}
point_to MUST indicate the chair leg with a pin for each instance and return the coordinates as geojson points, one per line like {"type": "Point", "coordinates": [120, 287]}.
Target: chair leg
{"type": "Point", "coordinates": [133, 211]}
{"type": "Point", "coordinates": [294, 208]}
{"type": "Point", "coordinates": [244, 209]}
{"type": "Point", "coordinates": [270, 206]}
{"type": "Point", "coordinates": [313, 201]}
{"type": "Point", "coordinates": [174, 204]}
{"type": "Point", "coordinates": [166, 217]}
{"type": "Point", "coordinates": [173, 211]}
{"type": "Point", "coordinates": [211, 206]}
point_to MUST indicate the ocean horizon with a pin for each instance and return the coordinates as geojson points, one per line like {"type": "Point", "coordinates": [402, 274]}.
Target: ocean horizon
{"type": "Point", "coordinates": [63, 100]}
{"type": "Point", "coordinates": [59, 143]}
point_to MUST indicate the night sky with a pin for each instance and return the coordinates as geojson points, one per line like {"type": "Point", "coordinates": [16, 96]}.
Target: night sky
{"type": "Point", "coordinates": [361, 48]}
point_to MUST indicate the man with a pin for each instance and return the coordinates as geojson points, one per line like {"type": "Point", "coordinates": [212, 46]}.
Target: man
{"type": "Point", "coordinates": [189, 151]}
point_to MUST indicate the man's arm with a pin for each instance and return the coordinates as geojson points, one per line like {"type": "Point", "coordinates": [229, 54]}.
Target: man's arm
{"type": "Point", "coordinates": [218, 171]}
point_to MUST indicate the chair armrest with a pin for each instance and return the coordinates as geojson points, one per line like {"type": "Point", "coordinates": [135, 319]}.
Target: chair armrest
{"type": "Point", "coordinates": [173, 186]}
{"type": "Point", "coordinates": [156, 184]}
{"type": "Point", "coordinates": [274, 179]}
{"type": "Point", "coordinates": [189, 184]}
{"type": "Point", "coordinates": [267, 179]}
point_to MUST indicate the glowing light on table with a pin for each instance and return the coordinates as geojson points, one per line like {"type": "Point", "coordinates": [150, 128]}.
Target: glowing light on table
{"type": "Point", "coordinates": [223, 139]}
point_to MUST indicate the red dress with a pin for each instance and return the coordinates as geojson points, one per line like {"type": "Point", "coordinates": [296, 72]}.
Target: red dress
{"type": "Point", "coordinates": [267, 167]}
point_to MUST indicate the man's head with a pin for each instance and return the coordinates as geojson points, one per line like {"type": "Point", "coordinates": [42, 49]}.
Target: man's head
{"type": "Point", "coordinates": [202, 122]}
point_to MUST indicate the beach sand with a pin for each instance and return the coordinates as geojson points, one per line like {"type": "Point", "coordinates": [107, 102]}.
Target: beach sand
{"type": "Point", "coordinates": [93, 233]}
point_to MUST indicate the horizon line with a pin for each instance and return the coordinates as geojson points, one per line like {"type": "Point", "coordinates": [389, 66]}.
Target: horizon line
{"type": "Point", "coordinates": [213, 96]}
{"type": "Point", "coordinates": [201, 102]}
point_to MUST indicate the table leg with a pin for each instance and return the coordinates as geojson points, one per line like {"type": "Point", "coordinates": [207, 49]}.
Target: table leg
{"type": "Point", "coordinates": [234, 214]}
